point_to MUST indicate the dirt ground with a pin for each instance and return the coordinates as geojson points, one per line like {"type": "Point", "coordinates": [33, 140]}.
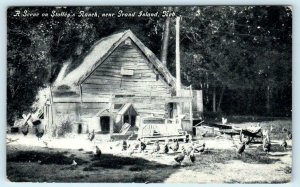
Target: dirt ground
{"type": "Point", "coordinates": [49, 160]}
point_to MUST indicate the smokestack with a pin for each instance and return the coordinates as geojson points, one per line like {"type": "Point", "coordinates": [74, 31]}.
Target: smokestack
{"type": "Point", "coordinates": [178, 79]}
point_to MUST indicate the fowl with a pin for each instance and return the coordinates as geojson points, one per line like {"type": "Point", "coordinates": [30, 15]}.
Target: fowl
{"type": "Point", "coordinates": [156, 147]}
{"type": "Point", "coordinates": [192, 156]}
{"type": "Point", "coordinates": [284, 129]}
{"type": "Point", "coordinates": [180, 157]}
{"type": "Point", "coordinates": [187, 138]}
{"type": "Point", "coordinates": [199, 148]}
{"type": "Point", "coordinates": [266, 145]}
{"type": "Point", "coordinates": [124, 145]}
{"type": "Point", "coordinates": [74, 163]}
{"type": "Point", "coordinates": [91, 135]}
{"type": "Point", "coordinates": [224, 120]}
{"type": "Point", "coordinates": [46, 143]}
{"type": "Point", "coordinates": [39, 133]}
{"type": "Point", "coordinates": [166, 148]}
{"type": "Point", "coordinates": [242, 148]}
{"type": "Point", "coordinates": [283, 144]}
{"type": "Point", "coordinates": [289, 135]}
{"type": "Point", "coordinates": [175, 146]}
{"type": "Point", "coordinates": [142, 145]}
{"type": "Point", "coordinates": [136, 146]}
{"type": "Point", "coordinates": [25, 130]}
{"type": "Point", "coordinates": [189, 149]}
{"type": "Point", "coordinates": [98, 152]}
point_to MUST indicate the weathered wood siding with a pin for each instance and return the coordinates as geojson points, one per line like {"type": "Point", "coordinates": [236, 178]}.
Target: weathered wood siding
{"type": "Point", "coordinates": [107, 80]}
{"type": "Point", "coordinates": [76, 112]}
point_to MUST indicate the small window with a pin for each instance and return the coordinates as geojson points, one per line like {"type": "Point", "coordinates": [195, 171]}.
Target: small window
{"type": "Point", "coordinates": [157, 77]}
{"type": "Point", "coordinates": [128, 42]}
{"type": "Point", "coordinates": [127, 72]}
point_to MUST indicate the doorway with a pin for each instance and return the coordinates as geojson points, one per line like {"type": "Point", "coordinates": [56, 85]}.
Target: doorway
{"type": "Point", "coordinates": [104, 124]}
{"type": "Point", "coordinates": [79, 130]}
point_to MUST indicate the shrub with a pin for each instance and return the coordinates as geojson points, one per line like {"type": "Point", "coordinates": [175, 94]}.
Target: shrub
{"type": "Point", "coordinates": [64, 128]}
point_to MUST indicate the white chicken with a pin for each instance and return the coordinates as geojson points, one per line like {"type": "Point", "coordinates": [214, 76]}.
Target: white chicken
{"type": "Point", "coordinates": [224, 120]}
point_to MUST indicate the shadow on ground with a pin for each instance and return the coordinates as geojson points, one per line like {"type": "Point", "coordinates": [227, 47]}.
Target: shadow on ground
{"type": "Point", "coordinates": [44, 165]}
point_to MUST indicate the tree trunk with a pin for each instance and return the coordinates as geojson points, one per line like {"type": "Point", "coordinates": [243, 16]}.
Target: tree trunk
{"type": "Point", "coordinates": [268, 106]}
{"type": "Point", "coordinates": [214, 99]}
{"type": "Point", "coordinates": [164, 47]}
{"type": "Point", "coordinates": [221, 99]}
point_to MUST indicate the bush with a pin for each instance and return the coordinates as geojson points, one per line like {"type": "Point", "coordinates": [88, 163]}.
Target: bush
{"type": "Point", "coordinates": [64, 127]}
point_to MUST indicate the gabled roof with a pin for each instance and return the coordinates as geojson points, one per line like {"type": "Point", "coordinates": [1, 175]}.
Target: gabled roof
{"type": "Point", "coordinates": [101, 50]}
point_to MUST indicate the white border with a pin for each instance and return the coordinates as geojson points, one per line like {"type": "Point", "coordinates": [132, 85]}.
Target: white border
{"type": "Point", "coordinates": [4, 4]}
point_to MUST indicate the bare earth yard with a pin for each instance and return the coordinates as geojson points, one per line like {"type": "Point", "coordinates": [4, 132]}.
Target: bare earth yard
{"type": "Point", "coordinates": [29, 160]}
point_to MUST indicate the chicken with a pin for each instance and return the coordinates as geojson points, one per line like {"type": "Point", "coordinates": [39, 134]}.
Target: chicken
{"type": "Point", "coordinates": [98, 152]}
{"type": "Point", "coordinates": [192, 156]}
{"type": "Point", "coordinates": [156, 147]}
{"type": "Point", "coordinates": [25, 130]}
{"type": "Point", "coordinates": [241, 148]}
{"type": "Point", "coordinates": [166, 148]}
{"type": "Point", "coordinates": [283, 144]}
{"type": "Point", "coordinates": [39, 133]}
{"type": "Point", "coordinates": [224, 120]}
{"type": "Point", "coordinates": [124, 145]}
{"type": "Point", "coordinates": [199, 148]}
{"type": "Point", "coordinates": [74, 163]}
{"type": "Point", "coordinates": [180, 157]}
{"type": "Point", "coordinates": [289, 135]}
{"type": "Point", "coordinates": [189, 149]}
{"type": "Point", "coordinates": [142, 145]}
{"type": "Point", "coordinates": [187, 138]}
{"type": "Point", "coordinates": [175, 146]}
{"type": "Point", "coordinates": [46, 143]}
{"type": "Point", "coordinates": [91, 135]}
{"type": "Point", "coordinates": [136, 146]}
{"type": "Point", "coordinates": [266, 145]}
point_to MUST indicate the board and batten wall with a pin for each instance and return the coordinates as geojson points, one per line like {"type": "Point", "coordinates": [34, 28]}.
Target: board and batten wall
{"type": "Point", "coordinates": [141, 80]}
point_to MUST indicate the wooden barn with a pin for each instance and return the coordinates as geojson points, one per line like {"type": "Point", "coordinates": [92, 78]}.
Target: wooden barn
{"type": "Point", "coordinates": [120, 81]}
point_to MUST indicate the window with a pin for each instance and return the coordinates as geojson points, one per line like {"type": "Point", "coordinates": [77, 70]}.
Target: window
{"type": "Point", "coordinates": [127, 72]}
{"type": "Point", "coordinates": [127, 42]}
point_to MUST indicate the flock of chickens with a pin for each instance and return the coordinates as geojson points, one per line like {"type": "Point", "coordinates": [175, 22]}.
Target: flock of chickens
{"type": "Point", "coordinates": [266, 143]}
{"type": "Point", "coordinates": [189, 150]}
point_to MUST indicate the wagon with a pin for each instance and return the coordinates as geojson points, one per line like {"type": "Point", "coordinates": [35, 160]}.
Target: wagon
{"type": "Point", "coordinates": [250, 134]}
{"type": "Point", "coordinates": [156, 129]}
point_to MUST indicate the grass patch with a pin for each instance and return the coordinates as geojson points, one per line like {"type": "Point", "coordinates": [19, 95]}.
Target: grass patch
{"type": "Point", "coordinates": [45, 158]}
{"type": "Point", "coordinates": [117, 162]}
{"type": "Point", "coordinates": [209, 159]}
